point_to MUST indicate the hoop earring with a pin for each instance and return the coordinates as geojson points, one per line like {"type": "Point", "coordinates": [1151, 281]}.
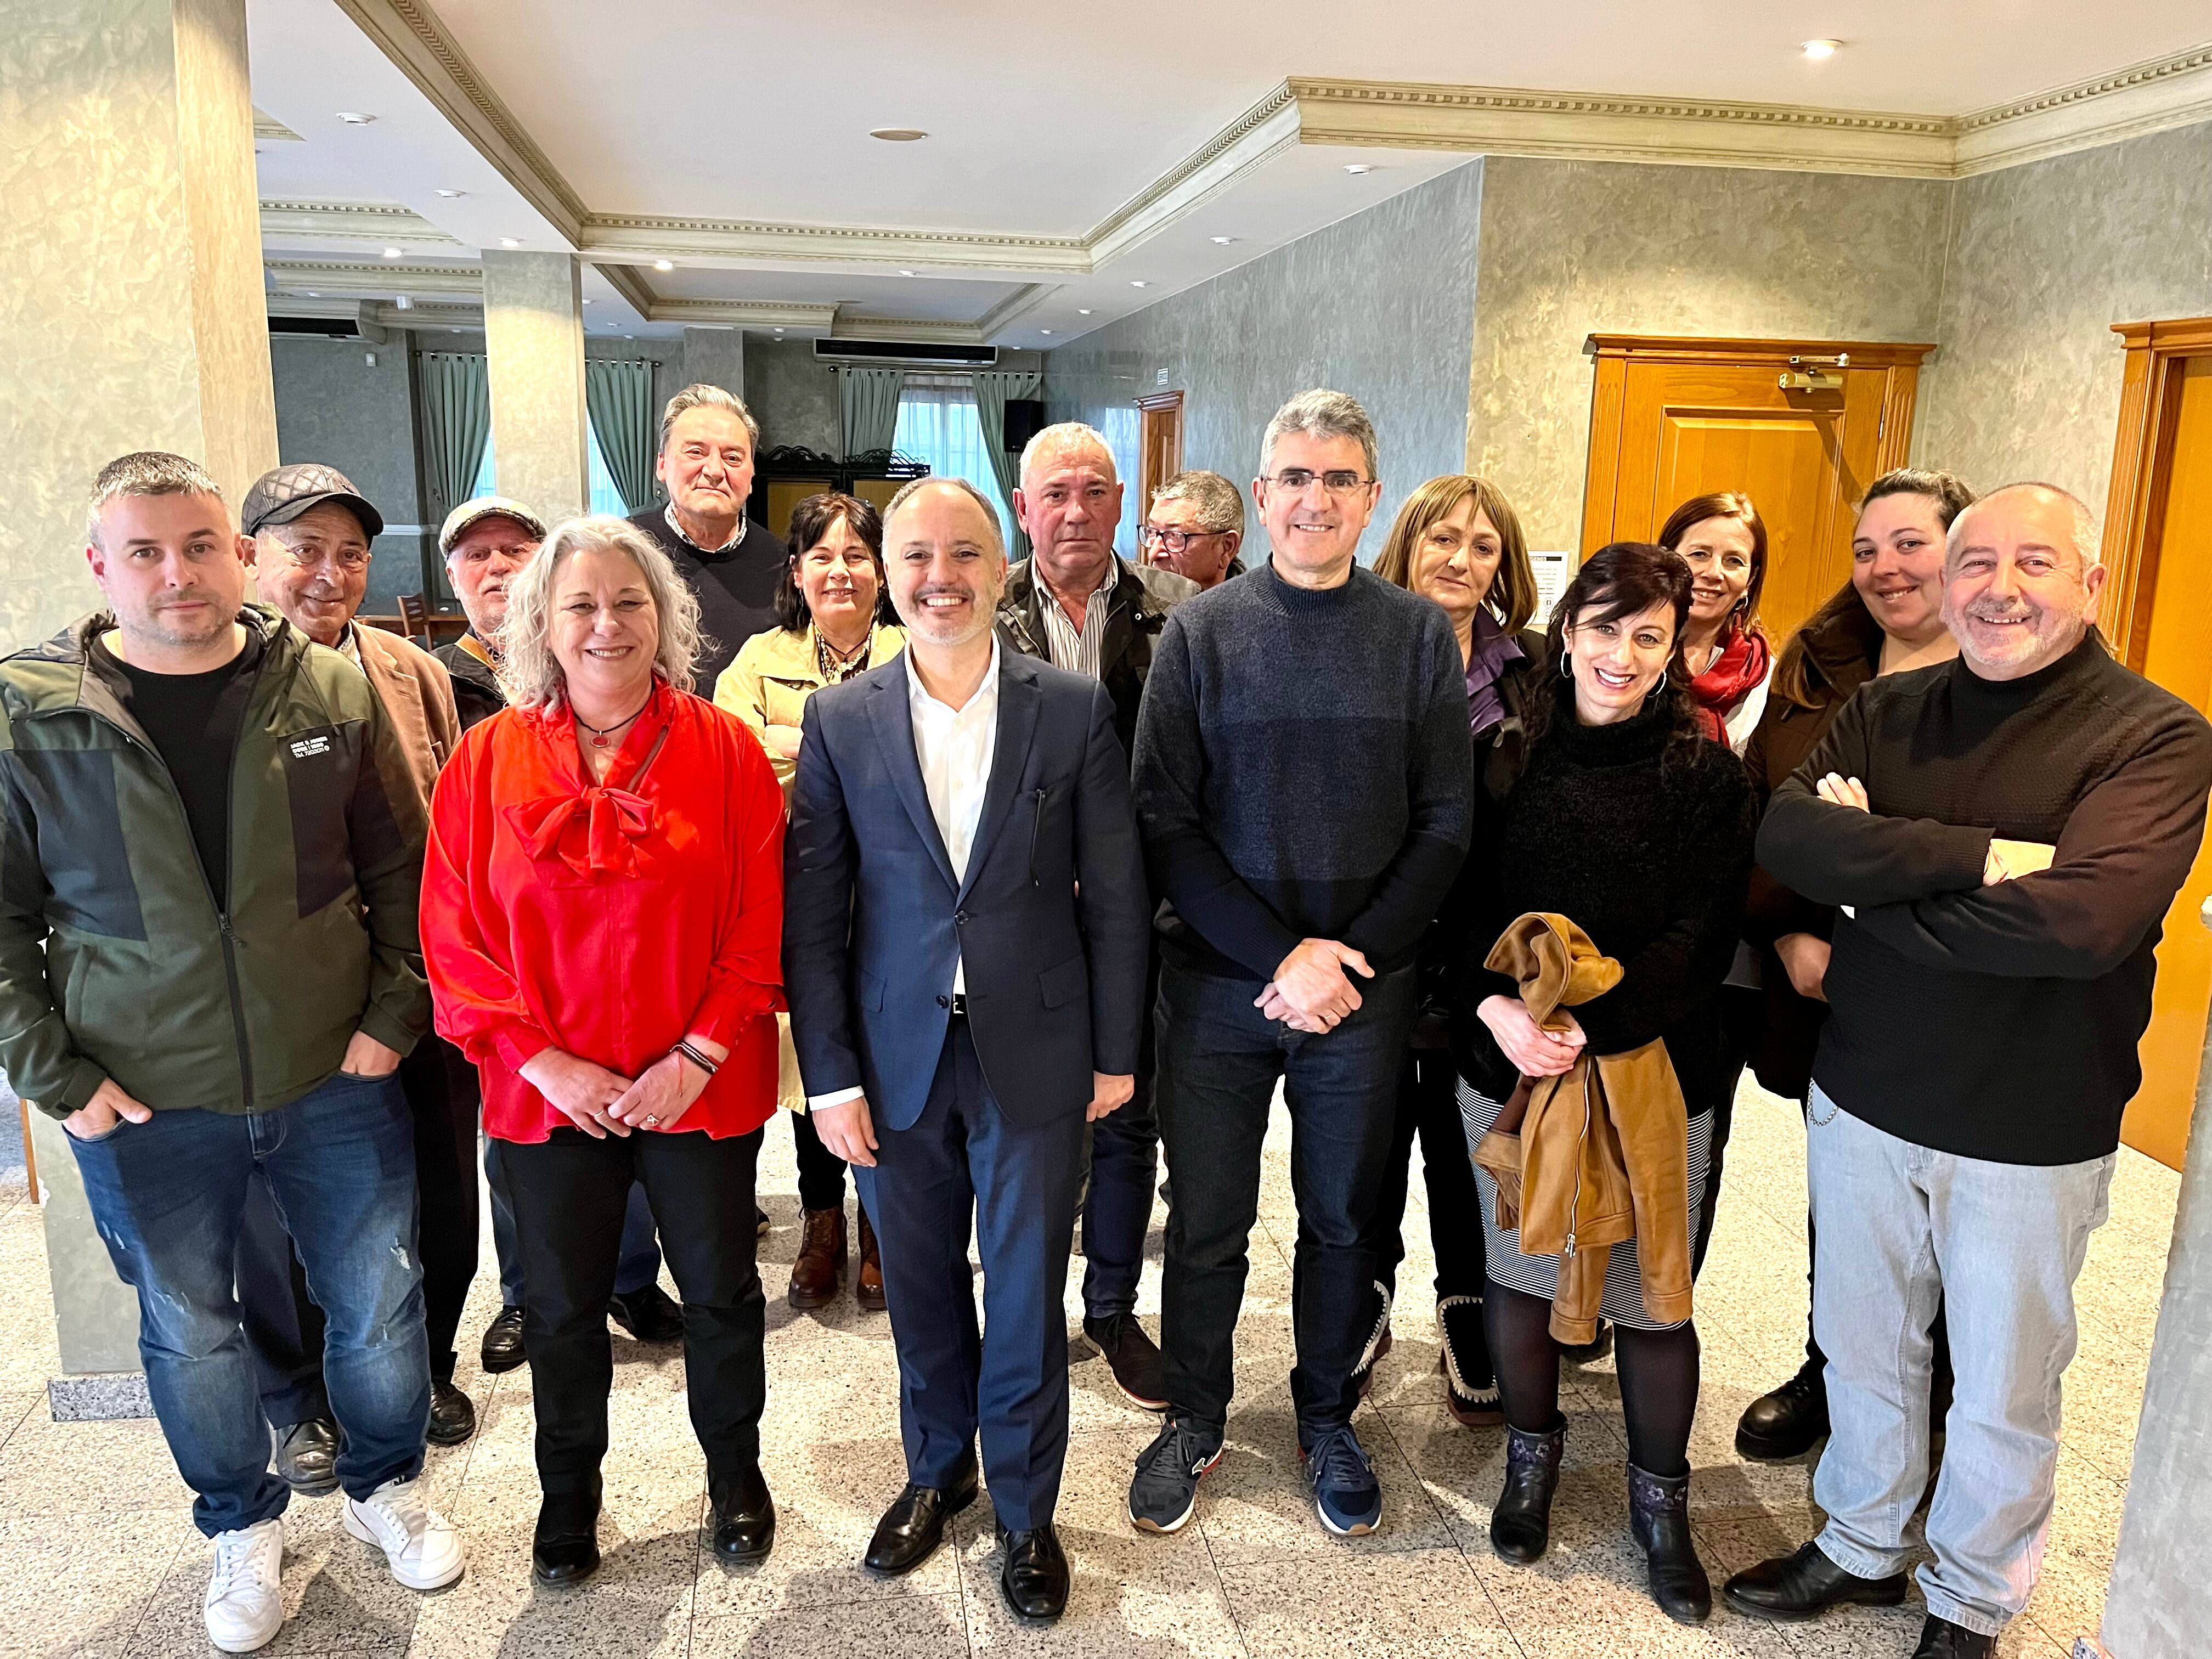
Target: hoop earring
{"type": "Point", "coordinates": [1566, 673]}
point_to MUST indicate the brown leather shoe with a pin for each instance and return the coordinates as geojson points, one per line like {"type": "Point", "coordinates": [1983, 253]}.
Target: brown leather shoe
{"type": "Point", "coordinates": [821, 1263]}
{"type": "Point", "coordinates": [869, 1291]}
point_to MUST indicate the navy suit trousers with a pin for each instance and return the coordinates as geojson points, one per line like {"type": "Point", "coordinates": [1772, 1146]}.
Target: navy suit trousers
{"type": "Point", "coordinates": [1007, 1381]}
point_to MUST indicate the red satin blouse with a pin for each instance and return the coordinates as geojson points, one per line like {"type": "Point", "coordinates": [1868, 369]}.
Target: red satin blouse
{"type": "Point", "coordinates": [608, 920]}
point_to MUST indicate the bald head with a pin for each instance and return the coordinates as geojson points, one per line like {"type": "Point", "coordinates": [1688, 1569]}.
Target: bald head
{"type": "Point", "coordinates": [2022, 578]}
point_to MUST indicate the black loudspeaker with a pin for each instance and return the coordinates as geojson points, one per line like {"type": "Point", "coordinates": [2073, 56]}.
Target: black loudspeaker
{"type": "Point", "coordinates": [1025, 420]}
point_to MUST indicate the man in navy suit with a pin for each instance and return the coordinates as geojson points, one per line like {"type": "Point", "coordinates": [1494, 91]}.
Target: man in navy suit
{"type": "Point", "coordinates": [965, 924]}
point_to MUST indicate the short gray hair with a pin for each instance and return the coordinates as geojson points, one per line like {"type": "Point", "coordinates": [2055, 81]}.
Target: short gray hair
{"type": "Point", "coordinates": [1219, 504]}
{"type": "Point", "coordinates": [145, 472]}
{"type": "Point", "coordinates": [700, 395]}
{"type": "Point", "coordinates": [1320, 414]}
{"type": "Point", "coordinates": [529, 673]}
{"type": "Point", "coordinates": [908, 489]}
{"type": "Point", "coordinates": [2087, 541]}
{"type": "Point", "coordinates": [1067, 435]}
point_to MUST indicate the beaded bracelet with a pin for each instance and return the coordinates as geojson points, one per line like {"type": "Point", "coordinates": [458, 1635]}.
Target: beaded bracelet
{"type": "Point", "coordinates": [697, 1058]}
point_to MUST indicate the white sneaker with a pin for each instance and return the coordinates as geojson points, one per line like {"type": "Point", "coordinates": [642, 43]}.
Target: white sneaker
{"type": "Point", "coordinates": [420, 1543]}
{"type": "Point", "coordinates": [244, 1605]}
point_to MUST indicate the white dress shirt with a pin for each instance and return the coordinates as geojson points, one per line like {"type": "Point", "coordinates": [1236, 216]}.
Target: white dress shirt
{"type": "Point", "coordinates": [955, 747]}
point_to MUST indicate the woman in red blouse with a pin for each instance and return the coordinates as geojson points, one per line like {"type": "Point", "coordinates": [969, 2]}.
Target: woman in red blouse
{"type": "Point", "coordinates": [602, 910]}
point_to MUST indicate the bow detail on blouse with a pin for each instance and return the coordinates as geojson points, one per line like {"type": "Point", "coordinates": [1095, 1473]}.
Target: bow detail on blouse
{"type": "Point", "coordinates": [614, 821]}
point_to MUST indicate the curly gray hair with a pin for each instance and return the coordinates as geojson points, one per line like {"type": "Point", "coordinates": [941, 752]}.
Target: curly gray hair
{"type": "Point", "coordinates": [529, 673]}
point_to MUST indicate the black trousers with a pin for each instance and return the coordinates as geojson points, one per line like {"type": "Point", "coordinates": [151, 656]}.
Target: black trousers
{"type": "Point", "coordinates": [570, 1193]}
{"type": "Point", "coordinates": [1428, 1105]}
{"type": "Point", "coordinates": [284, 1327]}
{"type": "Point", "coordinates": [821, 1171]}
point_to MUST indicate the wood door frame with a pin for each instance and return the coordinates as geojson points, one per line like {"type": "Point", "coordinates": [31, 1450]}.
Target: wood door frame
{"type": "Point", "coordinates": [1155, 402]}
{"type": "Point", "coordinates": [1900, 361]}
{"type": "Point", "coordinates": [2143, 462]}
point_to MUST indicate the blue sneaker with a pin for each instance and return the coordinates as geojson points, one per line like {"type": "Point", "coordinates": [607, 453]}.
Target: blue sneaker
{"type": "Point", "coordinates": [1346, 1495]}
{"type": "Point", "coordinates": [1165, 1492]}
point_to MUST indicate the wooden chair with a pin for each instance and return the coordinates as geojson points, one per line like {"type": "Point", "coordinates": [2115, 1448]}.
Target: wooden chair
{"type": "Point", "coordinates": [414, 620]}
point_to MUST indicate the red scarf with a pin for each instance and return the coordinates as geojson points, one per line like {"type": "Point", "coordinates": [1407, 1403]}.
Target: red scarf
{"type": "Point", "coordinates": [1731, 678]}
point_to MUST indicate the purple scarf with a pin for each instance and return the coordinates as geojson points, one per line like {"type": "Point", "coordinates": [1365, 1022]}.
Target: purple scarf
{"type": "Point", "coordinates": [1492, 648]}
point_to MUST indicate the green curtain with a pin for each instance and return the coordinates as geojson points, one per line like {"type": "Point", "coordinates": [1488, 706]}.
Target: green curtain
{"type": "Point", "coordinates": [618, 391]}
{"type": "Point", "coordinates": [867, 407]}
{"type": "Point", "coordinates": [994, 388]}
{"type": "Point", "coordinates": [455, 388]}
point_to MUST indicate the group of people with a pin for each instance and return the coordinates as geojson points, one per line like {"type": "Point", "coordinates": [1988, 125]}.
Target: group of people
{"type": "Point", "coordinates": [1001, 882]}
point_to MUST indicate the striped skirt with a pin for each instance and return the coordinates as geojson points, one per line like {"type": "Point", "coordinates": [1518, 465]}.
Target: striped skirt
{"type": "Point", "coordinates": [1538, 1275]}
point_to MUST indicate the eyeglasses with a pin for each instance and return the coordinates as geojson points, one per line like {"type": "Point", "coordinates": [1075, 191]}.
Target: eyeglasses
{"type": "Point", "coordinates": [1340, 481]}
{"type": "Point", "coordinates": [1175, 541]}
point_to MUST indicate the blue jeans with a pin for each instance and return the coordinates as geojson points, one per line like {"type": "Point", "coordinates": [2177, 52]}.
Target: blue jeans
{"type": "Point", "coordinates": [1902, 1230]}
{"type": "Point", "coordinates": [638, 1265]}
{"type": "Point", "coordinates": [1219, 1058]}
{"type": "Point", "coordinates": [167, 1194]}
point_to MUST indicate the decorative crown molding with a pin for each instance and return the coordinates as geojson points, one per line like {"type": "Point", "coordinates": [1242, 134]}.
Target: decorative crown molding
{"type": "Point", "coordinates": [630, 236]}
{"type": "Point", "coordinates": [380, 276]}
{"type": "Point", "coordinates": [353, 222]}
{"type": "Point", "coordinates": [266, 126]}
{"type": "Point", "coordinates": [2154, 96]}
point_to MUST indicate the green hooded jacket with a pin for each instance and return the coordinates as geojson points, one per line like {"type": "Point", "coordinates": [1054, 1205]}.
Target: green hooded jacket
{"type": "Point", "coordinates": [114, 962]}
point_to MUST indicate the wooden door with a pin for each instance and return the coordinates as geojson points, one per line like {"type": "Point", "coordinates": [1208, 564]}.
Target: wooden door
{"type": "Point", "coordinates": [1159, 446]}
{"type": "Point", "coordinates": [2160, 593]}
{"type": "Point", "coordinates": [1674, 418]}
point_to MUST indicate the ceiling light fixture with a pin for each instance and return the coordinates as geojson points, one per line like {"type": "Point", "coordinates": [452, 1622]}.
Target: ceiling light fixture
{"type": "Point", "coordinates": [354, 118]}
{"type": "Point", "coordinates": [1044, 331]}
{"type": "Point", "coordinates": [588, 301]}
{"type": "Point", "coordinates": [1083, 311]}
{"type": "Point", "coordinates": [898, 135]}
{"type": "Point", "coordinates": [1223, 241]}
{"type": "Point", "coordinates": [393, 253]}
{"type": "Point", "coordinates": [1820, 49]}
{"type": "Point", "coordinates": [906, 273]}
{"type": "Point", "coordinates": [312, 295]}
{"type": "Point", "coordinates": [453, 195]}
{"type": "Point", "coordinates": [664, 265]}
{"type": "Point", "coordinates": [1134, 282]}
{"type": "Point", "coordinates": [779, 330]}
{"type": "Point", "coordinates": [510, 241]}
{"type": "Point", "coordinates": [1355, 168]}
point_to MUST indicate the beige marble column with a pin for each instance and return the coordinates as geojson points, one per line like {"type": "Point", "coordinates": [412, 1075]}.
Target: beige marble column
{"type": "Point", "coordinates": [534, 337]}
{"type": "Point", "coordinates": [715, 356]}
{"type": "Point", "coordinates": [132, 313]}
{"type": "Point", "coordinates": [132, 317]}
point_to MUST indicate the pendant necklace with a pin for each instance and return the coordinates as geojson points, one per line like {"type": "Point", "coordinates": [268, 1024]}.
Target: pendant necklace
{"type": "Point", "coordinates": [601, 735]}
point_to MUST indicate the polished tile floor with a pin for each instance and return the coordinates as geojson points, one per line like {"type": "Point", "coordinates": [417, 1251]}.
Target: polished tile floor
{"type": "Point", "coordinates": [99, 1558]}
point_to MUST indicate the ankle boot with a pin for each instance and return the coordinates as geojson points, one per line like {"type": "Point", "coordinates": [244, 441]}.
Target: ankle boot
{"type": "Point", "coordinates": [820, 1261]}
{"type": "Point", "coordinates": [1659, 1515]}
{"type": "Point", "coordinates": [1520, 1523]}
{"type": "Point", "coordinates": [868, 1288]}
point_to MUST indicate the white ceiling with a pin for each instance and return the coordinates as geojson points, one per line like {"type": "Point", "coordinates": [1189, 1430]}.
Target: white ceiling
{"type": "Point", "coordinates": [1044, 122]}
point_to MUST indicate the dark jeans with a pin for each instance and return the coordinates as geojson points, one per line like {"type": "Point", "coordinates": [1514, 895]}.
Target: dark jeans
{"type": "Point", "coordinates": [962, 1163]}
{"type": "Point", "coordinates": [1219, 1059]}
{"type": "Point", "coordinates": [1121, 1167]}
{"type": "Point", "coordinates": [570, 1193]}
{"type": "Point", "coordinates": [638, 1265]}
{"type": "Point", "coordinates": [1428, 1105]}
{"type": "Point", "coordinates": [283, 1325]}
{"type": "Point", "coordinates": [167, 1195]}
{"type": "Point", "coordinates": [821, 1171]}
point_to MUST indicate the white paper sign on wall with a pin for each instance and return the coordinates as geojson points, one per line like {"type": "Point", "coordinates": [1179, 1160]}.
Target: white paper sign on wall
{"type": "Point", "coordinates": [1553, 572]}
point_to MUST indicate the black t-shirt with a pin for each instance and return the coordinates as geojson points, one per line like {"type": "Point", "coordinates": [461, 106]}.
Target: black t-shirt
{"type": "Point", "coordinates": [194, 721]}
{"type": "Point", "coordinates": [736, 588]}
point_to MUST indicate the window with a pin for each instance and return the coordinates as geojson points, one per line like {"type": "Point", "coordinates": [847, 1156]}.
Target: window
{"type": "Point", "coordinates": [938, 425]}
{"type": "Point", "coordinates": [605, 498]}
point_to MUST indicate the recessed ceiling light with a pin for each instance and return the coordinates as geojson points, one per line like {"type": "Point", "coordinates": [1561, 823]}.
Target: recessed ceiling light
{"type": "Point", "coordinates": [510, 241]}
{"type": "Point", "coordinates": [664, 265]}
{"type": "Point", "coordinates": [1134, 282]}
{"type": "Point", "coordinates": [1355, 168]}
{"type": "Point", "coordinates": [1083, 311]}
{"type": "Point", "coordinates": [354, 118]}
{"type": "Point", "coordinates": [629, 337]}
{"type": "Point", "coordinates": [1817, 49]}
{"type": "Point", "coordinates": [1044, 331]}
{"type": "Point", "coordinates": [451, 194]}
{"type": "Point", "coordinates": [588, 301]}
{"type": "Point", "coordinates": [393, 253]}
{"type": "Point", "coordinates": [906, 273]}
{"type": "Point", "coordinates": [898, 135]}
{"type": "Point", "coordinates": [1223, 241]}
{"type": "Point", "coordinates": [779, 330]}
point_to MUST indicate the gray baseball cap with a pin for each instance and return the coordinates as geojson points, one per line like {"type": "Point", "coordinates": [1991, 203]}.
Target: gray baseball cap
{"type": "Point", "coordinates": [487, 506]}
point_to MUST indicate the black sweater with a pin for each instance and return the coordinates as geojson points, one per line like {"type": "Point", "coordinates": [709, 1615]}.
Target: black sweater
{"type": "Point", "coordinates": [1301, 771]}
{"type": "Point", "coordinates": [1647, 849]}
{"type": "Point", "coordinates": [1996, 1022]}
{"type": "Point", "coordinates": [735, 589]}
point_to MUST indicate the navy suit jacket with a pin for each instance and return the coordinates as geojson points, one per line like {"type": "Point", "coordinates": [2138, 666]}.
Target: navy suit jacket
{"type": "Point", "coordinates": [874, 919]}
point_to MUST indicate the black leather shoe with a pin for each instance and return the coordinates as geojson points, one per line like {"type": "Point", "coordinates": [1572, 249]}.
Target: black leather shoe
{"type": "Point", "coordinates": [307, 1457]}
{"type": "Point", "coordinates": [452, 1415]}
{"type": "Point", "coordinates": [1521, 1523]}
{"type": "Point", "coordinates": [744, 1515]}
{"type": "Point", "coordinates": [1791, 1587]}
{"type": "Point", "coordinates": [1659, 1517]}
{"type": "Point", "coordinates": [1941, 1639]}
{"type": "Point", "coordinates": [1787, 1423]}
{"type": "Point", "coordinates": [1033, 1578]}
{"type": "Point", "coordinates": [914, 1524]}
{"type": "Point", "coordinates": [502, 1343]}
{"type": "Point", "coordinates": [565, 1548]}
{"type": "Point", "coordinates": [650, 1315]}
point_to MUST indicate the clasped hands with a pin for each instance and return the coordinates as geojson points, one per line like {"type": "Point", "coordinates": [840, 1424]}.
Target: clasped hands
{"type": "Point", "coordinates": [1535, 1050]}
{"type": "Point", "coordinates": [2008, 860]}
{"type": "Point", "coordinates": [601, 1103]}
{"type": "Point", "coordinates": [1311, 991]}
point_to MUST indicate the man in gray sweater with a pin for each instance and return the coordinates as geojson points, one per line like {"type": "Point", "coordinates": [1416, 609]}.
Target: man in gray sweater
{"type": "Point", "coordinates": [1303, 781]}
